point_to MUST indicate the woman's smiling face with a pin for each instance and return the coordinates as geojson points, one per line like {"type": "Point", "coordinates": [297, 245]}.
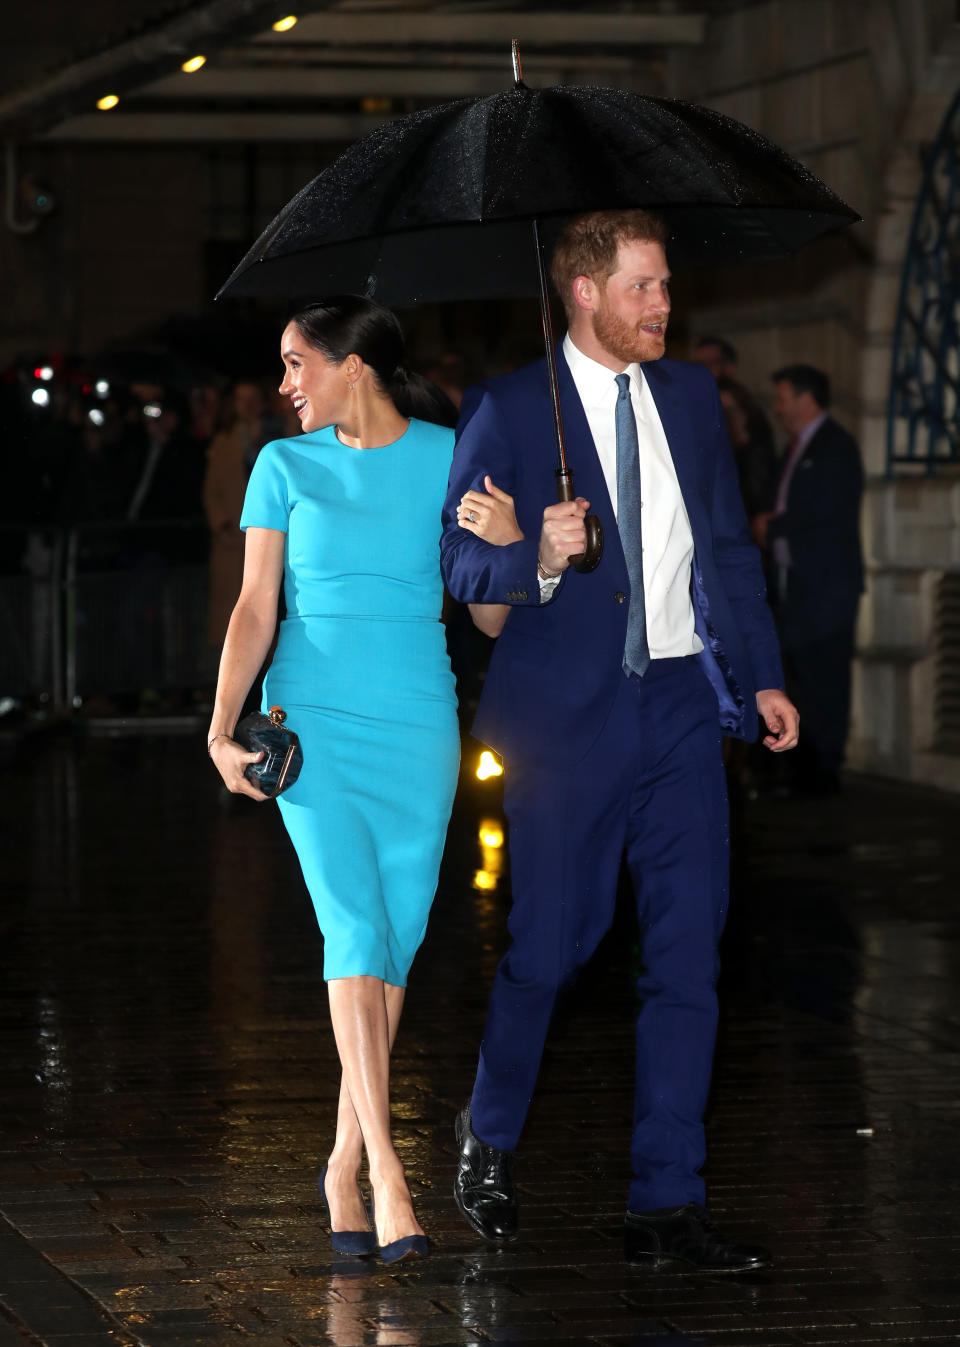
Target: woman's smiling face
{"type": "Point", "coordinates": [315, 385]}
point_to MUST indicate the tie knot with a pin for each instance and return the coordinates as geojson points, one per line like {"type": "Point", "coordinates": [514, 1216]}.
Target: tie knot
{"type": "Point", "coordinates": [623, 383]}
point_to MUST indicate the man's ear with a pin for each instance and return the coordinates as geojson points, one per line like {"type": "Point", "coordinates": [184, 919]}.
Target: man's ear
{"type": "Point", "coordinates": [585, 292]}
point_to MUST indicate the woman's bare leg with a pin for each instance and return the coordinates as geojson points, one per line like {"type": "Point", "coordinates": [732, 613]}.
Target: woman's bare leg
{"type": "Point", "coordinates": [348, 1211]}
{"type": "Point", "coordinates": [366, 1012]}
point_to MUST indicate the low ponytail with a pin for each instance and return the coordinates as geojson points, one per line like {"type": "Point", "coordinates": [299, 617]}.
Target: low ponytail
{"type": "Point", "coordinates": [417, 396]}
{"type": "Point", "coordinates": [348, 324]}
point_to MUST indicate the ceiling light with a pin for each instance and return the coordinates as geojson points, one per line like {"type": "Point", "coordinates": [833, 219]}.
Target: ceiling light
{"type": "Point", "coordinates": [193, 64]}
{"type": "Point", "coordinates": [284, 25]}
{"type": "Point", "coordinates": [107, 102]}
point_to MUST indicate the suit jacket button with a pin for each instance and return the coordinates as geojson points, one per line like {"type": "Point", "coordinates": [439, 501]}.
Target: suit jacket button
{"type": "Point", "coordinates": [620, 597]}
{"type": "Point", "coordinates": [522, 595]}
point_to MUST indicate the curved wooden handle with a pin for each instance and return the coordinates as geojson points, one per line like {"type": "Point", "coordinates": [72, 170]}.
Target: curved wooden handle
{"type": "Point", "coordinates": [590, 559]}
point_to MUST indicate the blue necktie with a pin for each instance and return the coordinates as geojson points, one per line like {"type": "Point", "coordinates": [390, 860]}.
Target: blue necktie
{"type": "Point", "coordinates": [636, 653]}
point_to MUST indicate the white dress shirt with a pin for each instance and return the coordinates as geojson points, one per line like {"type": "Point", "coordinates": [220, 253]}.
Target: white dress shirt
{"type": "Point", "coordinates": [667, 538]}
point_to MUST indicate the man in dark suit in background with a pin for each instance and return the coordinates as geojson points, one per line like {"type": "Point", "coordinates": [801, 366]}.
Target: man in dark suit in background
{"type": "Point", "coordinates": [606, 696]}
{"type": "Point", "coordinates": [816, 565]}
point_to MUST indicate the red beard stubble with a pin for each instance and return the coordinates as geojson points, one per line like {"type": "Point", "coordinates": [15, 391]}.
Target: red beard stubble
{"type": "Point", "coordinates": [622, 340]}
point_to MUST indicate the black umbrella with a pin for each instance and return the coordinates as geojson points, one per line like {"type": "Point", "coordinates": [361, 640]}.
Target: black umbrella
{"type": "Point", "coordinates": [438, 205]}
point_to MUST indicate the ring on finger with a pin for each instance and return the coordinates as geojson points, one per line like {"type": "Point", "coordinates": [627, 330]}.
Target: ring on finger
{"type": "Point", "coordinates": [472, 516]}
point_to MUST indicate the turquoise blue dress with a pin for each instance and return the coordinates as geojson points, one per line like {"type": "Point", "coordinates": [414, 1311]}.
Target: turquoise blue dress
{"type": "Point", "coordinates": [361, 670]}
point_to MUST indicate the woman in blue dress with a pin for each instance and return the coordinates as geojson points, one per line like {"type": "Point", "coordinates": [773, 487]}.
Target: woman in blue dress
{"type": "Point", "coordinates": [346, 517]}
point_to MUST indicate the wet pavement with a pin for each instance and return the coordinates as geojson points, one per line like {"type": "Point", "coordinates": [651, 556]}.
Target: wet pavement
{"type": "Point", "coordinates": [170, 1084]}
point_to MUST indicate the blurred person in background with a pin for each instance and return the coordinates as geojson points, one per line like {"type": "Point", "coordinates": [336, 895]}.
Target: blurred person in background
{"type": "Point", "coordinates": [755, 456]}
{"type": "Point", "coordinates": [752, 440]}
{"type": "Point", "coordinates": [164, 468]}
{"type": "Point", "coordinates": [230, 459]}
{"type": "Point", "coordinates": [282, 411]}
{"type": "Point", "coordinates": [451, 374]}
{"type": "Point", "coordinates": [719, 356]}
{"type": "Point", "coordinates": [96, 487]}
{"type": "Point", "coordinates": [205, 413]}
{"type": "Point", "coordinates": [812, 536]}
{"type": "Point", "coordinates": [721, 359]}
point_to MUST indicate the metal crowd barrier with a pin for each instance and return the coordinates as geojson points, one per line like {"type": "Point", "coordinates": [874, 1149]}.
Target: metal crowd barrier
{"type": "Point", "coordinates": [31, 631]}
{"type": "Point", "coordinates": [103, 609]}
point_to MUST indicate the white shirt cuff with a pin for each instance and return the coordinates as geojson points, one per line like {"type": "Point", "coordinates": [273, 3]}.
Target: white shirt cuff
{"type": "Point", "coordinates": [547, 587]}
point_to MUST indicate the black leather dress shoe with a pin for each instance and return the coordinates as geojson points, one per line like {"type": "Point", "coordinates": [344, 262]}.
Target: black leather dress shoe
{"type": "Point", "coordinates": [687, 1234]}
{"type": "Point", "coordinates": [483, 1187]}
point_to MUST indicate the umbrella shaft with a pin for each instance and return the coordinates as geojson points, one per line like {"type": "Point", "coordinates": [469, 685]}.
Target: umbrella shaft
{"type": "Point", "coordinates": [563, 473]}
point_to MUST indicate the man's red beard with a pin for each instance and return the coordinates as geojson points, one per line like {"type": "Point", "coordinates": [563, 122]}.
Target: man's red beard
{"type": "Point", "coordinates": [625, 342]}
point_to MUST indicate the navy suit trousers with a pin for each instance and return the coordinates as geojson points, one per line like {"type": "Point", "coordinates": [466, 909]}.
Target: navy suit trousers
{"type": "Point", "coordinates": [651, 788]}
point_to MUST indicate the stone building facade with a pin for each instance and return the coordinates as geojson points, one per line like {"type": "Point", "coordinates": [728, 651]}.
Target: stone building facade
{"type": "Point", "coordinates": [856, 89]}
{"type": "Point", "coordinates": [858, 92]}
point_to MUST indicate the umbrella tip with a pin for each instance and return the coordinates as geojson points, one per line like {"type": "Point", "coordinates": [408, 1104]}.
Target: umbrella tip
{"type": "Point", "coordinates": [517, 65]}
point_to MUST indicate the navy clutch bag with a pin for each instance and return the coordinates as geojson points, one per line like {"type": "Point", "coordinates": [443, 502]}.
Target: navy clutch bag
{"type": "Point", "coordinates": [282, 755]}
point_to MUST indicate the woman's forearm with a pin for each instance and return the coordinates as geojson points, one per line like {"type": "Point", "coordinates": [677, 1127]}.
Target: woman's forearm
{"type": "Point", "coordinates": [489, 617]}
{"type": "Point", "coordinates": [248, 639]}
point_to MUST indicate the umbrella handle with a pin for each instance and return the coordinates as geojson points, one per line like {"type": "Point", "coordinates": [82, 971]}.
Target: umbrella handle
{"type": "Point", "coordinates": [589, 559]}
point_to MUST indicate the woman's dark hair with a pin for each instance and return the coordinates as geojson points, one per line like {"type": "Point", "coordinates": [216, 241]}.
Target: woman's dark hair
{"type": "Point", "coordinates": [350, 324]}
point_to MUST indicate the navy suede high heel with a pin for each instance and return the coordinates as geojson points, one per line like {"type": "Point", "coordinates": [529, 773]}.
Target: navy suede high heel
{"type": "Point", "coordinates": [360, 1243]}
{"type": "Point", "coordinates": [417, 1246]}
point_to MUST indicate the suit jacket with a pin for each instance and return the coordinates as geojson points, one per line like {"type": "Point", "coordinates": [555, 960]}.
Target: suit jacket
{"type": "Point", "coordinates": [821, 524]}
{"type": "Point", "coordinates": [556, 667]}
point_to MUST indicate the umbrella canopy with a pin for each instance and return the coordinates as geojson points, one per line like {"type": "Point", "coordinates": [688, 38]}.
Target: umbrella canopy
{"type": "Point", "coordinates": [437, 205]}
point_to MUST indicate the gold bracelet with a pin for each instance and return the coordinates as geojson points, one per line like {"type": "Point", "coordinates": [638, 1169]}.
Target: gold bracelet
{"type": "Point", "coordinates": [545, 574]}
{"type": "Point", "coordinates": [210, 743]}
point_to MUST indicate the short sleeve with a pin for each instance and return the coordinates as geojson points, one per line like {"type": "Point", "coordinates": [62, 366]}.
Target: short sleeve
{"type": "Point", "coordinates": [266, 503]}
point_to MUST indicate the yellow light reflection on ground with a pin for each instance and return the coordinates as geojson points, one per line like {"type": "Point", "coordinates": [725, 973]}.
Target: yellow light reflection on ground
{"type": "Point", "coordinates": [490, 835]}
{"type": "Point", "coordinates": [107, 102]}
{"type": "Point", "coordinates": [195, 63]}
{"type": "Point", "coordinates": [284, 25]}
{"type": "Point", "coordinates": [488, 766]}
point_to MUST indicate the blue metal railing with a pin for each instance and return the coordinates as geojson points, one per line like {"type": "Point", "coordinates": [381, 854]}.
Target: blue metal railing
{"type": "Point", "coordinates": [923, 411]}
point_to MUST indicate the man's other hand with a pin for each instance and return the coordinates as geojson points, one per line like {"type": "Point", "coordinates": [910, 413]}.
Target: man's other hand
{"type": "Point", "coordinates": [759, 526]}
{"type": "Point", "coordinates": [780, 717]}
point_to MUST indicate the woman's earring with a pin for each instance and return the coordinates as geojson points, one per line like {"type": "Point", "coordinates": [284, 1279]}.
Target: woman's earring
{"type": "Point", "coordinates": [350, 385]}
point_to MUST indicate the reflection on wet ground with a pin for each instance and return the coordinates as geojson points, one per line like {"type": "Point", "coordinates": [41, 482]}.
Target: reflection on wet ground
{"type": "Point", "coordinates": [170, 1083]}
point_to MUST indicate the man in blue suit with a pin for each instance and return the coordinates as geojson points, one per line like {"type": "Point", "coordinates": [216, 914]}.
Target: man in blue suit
{"type": "Point", "coordinates": [607, 695]}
